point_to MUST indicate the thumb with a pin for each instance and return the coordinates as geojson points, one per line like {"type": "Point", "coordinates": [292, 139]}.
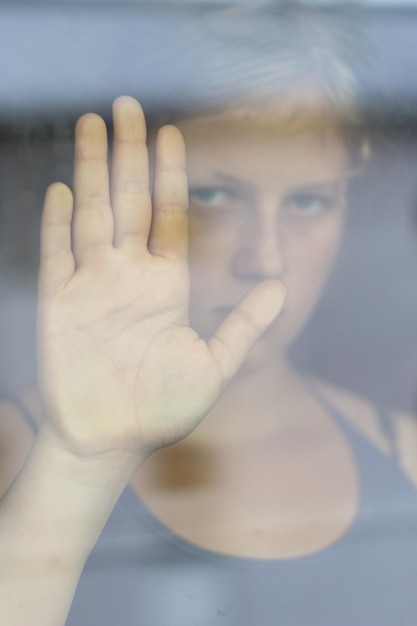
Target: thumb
{"type": "Point", "coordinates": [245, 324]}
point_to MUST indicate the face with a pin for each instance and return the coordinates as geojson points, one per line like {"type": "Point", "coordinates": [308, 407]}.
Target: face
{"type": "Point", "coordinates": [265, 202]}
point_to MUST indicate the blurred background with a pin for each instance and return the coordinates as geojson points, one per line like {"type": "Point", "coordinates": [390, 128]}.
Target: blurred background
{"type": "Point", "coordinates": [61, 59]}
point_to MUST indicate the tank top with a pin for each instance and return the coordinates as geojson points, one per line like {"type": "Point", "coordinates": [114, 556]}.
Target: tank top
{"type": "Point", "coordinates": [141, 574]}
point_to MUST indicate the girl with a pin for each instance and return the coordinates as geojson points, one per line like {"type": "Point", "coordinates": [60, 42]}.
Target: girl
{"type": "Point", "coordinates": [283, 505]}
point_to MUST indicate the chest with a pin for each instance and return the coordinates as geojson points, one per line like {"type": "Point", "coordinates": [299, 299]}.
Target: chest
{"type": "Point", "coordinates": [154, 565]}
{"type": "Point", "coordinates": [157, 578]}
{"type": "Point", "coordinates": [270, 496]}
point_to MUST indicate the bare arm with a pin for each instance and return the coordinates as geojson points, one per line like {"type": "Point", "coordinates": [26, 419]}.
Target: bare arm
{"type": "Point", "coordinates": [121, 372]}
{"type": "Point", "coordinates": [49, 521]}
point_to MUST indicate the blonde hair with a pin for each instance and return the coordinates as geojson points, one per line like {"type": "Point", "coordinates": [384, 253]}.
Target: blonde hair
{"type": "Point", "coordinates": [249, 56]}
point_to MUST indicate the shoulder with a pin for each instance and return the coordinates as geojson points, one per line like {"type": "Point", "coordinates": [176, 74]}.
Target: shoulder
{"type": "Point", "coordinates": [16, 438]}
{"type": "Point", "coordinates": [364, 416]}
{"type": "Point", "coordinates": [359, 411]}
{"type": "Point", "coordinates": [406, 434]}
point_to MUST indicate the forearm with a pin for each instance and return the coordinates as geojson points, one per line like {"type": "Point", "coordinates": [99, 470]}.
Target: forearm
{"type": "Point", "coordinates": [50, 520]}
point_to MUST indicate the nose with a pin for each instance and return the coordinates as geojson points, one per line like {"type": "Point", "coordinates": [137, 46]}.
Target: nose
{"type": "Point", "coordinates": [260, 249]}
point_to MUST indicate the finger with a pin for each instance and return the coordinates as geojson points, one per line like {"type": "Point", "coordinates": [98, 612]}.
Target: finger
{"type": "Point", "coordinates": [244, 325]}
{"type": "Point", "coordinates": [169, 235]}
{"type": "Point", "coordinates": [93, 219]}
{"type": "Point", "coordinates": [131, 200]}
{"type": "Point", "coordinates": [57, 261]}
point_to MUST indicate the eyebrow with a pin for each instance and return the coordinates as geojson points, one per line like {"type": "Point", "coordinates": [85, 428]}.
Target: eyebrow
{"type": "Point", "coordinates": [322, 186]}
{"type": "Point", "coordinates": [317, 187]}
{"type": "Point", "coordinates": [232, 180]}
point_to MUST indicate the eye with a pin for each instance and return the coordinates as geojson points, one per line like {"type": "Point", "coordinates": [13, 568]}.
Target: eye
{"type": "Point", "coordinates": [220, 203]}
{"type": "Point", "coordinates": [211, 197]}
{"type": "Point", "coordinates": [311, 203]}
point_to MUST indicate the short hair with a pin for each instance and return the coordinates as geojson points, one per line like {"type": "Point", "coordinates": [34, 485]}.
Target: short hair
{"type": "Point", "coordinates": [249, 55]}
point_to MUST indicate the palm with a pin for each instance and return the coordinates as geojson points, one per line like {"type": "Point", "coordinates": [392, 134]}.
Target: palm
{"type": "Point", "coordinates": [120, 367]}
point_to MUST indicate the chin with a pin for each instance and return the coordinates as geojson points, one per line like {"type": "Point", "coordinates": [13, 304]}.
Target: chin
{"type": "Point", "coordinates": [263, 354]}
{"type": "Point", "coordinates": [271, 347]}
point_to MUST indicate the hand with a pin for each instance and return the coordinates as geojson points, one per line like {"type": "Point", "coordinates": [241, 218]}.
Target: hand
{"type": "Point", "coordinates": [120, 369]}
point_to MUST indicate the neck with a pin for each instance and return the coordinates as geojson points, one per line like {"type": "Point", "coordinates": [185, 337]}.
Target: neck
{"type": "Point", "coordinates": [257, 403]}
{"type": "Point", "coordinates": [276, 376]}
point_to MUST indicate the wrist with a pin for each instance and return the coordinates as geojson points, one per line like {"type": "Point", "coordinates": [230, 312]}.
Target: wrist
{"type": "Point", "coordinates": [110, 470]}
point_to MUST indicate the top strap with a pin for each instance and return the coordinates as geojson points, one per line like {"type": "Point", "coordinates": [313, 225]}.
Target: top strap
{"type": "Point", "coordinates": [16, 402]}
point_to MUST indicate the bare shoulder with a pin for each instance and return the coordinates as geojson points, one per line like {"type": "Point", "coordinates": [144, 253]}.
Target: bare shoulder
{"type": "Point", "coordinates": [358, 410]}
{"type": "Point", "coordinates": [16, 437]}
{"type": "Point", "coordinates": [406, 433]}
{"type": "Point", "coordinates": [363, 414]}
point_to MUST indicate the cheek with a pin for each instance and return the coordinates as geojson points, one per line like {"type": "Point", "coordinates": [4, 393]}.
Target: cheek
{"type": "Point", "coordinates": [210, 247]}
{"type": "Point", "coordinates": [310, 259]}
{"type": "Point", "coordinates": [210, 251]}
